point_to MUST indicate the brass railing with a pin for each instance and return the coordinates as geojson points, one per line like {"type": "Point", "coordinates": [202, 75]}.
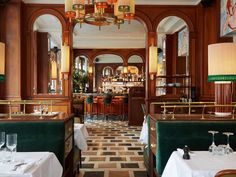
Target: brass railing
{"type": "Point", "coordinates": [195, 105]}
{"type": "Point", "coordinates": [40, 103]}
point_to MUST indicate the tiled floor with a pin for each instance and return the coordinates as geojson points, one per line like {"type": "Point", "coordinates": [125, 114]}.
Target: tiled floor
{"type": "Point", "coordinates": [113, 151]}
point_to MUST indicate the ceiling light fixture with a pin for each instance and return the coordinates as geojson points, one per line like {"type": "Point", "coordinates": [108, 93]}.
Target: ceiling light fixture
{"type": "Point", "coordinates": [122, 10]}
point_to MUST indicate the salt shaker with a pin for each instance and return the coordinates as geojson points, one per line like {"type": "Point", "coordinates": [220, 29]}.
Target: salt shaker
{"type": "Point", "coordinates": [186, 155]}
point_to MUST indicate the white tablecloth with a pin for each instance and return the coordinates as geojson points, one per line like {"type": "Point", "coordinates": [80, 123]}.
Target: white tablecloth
{"type": "Point", "coordinates": [201, 164]}
{"type": "Point", "coordinates": [80, 136]}
{"type": "Point", "coordinates": [37, 164]}
{"type": "Point", "coordinates": [144, 132]}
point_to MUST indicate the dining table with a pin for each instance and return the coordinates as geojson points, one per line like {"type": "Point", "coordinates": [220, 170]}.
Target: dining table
{"type": "Point", "coordinates": [80, 136]}
{"type": "Point", "coordinates": [200, 164]}
{"type": "Point", "coordinates": [30, 164]}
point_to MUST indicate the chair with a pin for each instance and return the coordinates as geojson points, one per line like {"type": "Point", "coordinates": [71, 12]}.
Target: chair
{"type": "Point", "coordinates": [89, 106]}
{"type": "Point", "coordinates": [78, 109]}
{"type": "Point", "coordinates": [226, 173]}
{"type": "Point", "coordinates": [107, 101]}
{"type": "Point", "coordinates": [125, 105]}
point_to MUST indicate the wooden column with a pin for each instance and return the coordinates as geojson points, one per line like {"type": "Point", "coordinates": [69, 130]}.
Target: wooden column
{"type": "Point", "coordinates": [223, 96]}
{"type": "Point", "coordinates": [13, 50]}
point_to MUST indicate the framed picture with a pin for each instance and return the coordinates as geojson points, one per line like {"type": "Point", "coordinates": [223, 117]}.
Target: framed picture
{"type": "Point", "coordinates": [183, 42]}
{"type": "Point", "coordinates": [227, 17]}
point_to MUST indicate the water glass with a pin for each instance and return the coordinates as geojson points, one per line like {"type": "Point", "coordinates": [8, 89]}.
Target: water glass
{"type": "Point", "coordinates": [212, 146]}
{"type": "Point", "coordinates": [11, 143]}
{"type": "Point", "coordinates": [2, 139]}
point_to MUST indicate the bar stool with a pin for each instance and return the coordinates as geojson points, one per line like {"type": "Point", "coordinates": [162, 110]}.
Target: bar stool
{"type": "Point", "coordinates": [107, 103]}
{"type": "Point", "coordinates": [89, 106]}
{"type": "Point", "coordinates": [124, 106]}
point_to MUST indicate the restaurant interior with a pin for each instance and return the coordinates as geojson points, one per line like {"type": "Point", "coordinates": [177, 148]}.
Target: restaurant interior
{"type": "Point", "coordinates": [117, 88]}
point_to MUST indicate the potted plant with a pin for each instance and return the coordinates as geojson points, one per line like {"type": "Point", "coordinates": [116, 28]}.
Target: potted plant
{"type": "Point", "coordinates": [80, 79]}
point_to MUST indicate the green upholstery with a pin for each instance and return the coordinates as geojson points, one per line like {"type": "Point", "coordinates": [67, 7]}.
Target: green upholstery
{"type": "Point", "coordinates": [38, 136]}
{"type": "Point", "coordinates": [175, 134]}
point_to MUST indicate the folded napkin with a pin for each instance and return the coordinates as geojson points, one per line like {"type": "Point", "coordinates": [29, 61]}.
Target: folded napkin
{"type": "Point", "coordinates": [19, 167]}
{"type": "Point", "coordinates": [181, 151]}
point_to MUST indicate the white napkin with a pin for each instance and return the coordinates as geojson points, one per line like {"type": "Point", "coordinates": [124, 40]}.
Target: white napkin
{"type": "Point", "coordinates": [10, 168]}
{"type": "Point", "coordinates": [181, 151]}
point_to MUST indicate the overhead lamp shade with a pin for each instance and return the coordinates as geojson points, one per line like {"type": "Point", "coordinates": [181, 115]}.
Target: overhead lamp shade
{"type": "Point", "coordinates": [68, 6]}
{"type": "Point", "coordinates": [222, 62]}
{"type": "Point", "coordinates": [90, 69]}
{"type": "Point", "coordinates": [78, 4]}
{"type": "Point", "coordinates": [2, 61]}
{"type": "Point", "coordinates": [111, 1]}
{"type": "Point", "coordinates": [152, 60]}
{"type": "Point", "coordinates": [65, 59]}
{"type": "Point", "coordinates": [125, 69]}
{"type": "Point", "coordinates": [54, 70]}
{"type": "Point", "coordinates": [132, 6]}
{"type": "Point", "coordinates": [124, 6]}
{"type": "Point", "coordinates": [118, 13]}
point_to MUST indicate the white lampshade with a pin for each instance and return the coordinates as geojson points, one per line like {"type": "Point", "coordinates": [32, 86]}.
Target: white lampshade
{"type": "Point", "coordinates": [132, 6]}
{"type": "Point", "coordinates": [65, 59]}
{"type": "Point", "coordinates": [53, 70]}
{"type": "Point", "coordinates": [2, 58]}
{"type": "Point", "coordinates": [152, 60]}
{"type": "Point", "coordinates": [90, 69]}
{"type": "Point", "coordinates": [68, 5]}
{"type": "Point", "coordinates": [125, 69]}
{"type": "Point", "coordinates": [222, 62]}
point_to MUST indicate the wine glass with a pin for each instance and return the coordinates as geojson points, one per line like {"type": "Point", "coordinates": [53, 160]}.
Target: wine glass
{"type": "Point", "coordinates": [2, 139]}
{"type": "Point", "coordinates": [11, 143]}
{"type": "Point", "coordinates": [228, 149]}
{"type": "Point", "coordinates": [212, 146]}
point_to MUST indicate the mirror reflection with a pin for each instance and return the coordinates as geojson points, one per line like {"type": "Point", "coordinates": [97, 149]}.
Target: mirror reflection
{"type": "Point", "coordinates": [173, 56]}
{"type": "Point", "coordinates": [136, 65]}
{"type": "Point", "coordinates": [47, 31]}
{"type": "Point", "coordinates": [80, 74]}
{"type": "Point", "coordinates": [101, 64]}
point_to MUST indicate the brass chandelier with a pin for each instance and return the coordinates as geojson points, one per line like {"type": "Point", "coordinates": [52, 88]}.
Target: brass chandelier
{"type": "Point", "coordinates": [122, 10]}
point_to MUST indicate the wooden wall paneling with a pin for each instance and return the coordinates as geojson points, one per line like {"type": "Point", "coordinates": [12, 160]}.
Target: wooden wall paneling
{"type": "Point", "coordinates": [13, 50]}
{"type": "Point", "coordinates": [2, 39]}
{"type": "Point", "coordinates": [136, 98]}
{"type": "Point", "coordinates": [42, 63]}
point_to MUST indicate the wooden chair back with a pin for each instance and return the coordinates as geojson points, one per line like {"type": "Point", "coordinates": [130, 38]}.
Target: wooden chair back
{"type": "Point", "coordinates": [226, 173]}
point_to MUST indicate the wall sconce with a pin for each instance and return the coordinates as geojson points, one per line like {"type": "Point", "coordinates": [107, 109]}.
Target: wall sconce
{"type": "Point", "coordinates": [2, 61]}
{"type": "Point", "coordinates": [90, 70]}
{"type": "Point", "coordinates": [125, 69]}
{"type": "Point", "coordinates": [152, 61]}
{"type": "Point", "coordinates": [54, 70]}
{"type": "Point", "coordinates": [65, 59]}
{"type": "Point", "coordinates": [222, 71]}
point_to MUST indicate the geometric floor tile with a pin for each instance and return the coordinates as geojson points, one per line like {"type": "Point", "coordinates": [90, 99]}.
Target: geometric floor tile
{"type": "Point", "coordinates": [113, 151]}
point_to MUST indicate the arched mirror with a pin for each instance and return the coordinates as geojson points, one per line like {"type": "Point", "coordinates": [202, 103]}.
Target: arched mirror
{"type": "Point", "coordinates": [80, 74]}
{"type": "Point", "coordinates": [173, 56]}
{"type": "Point", "coordinates": [135, 65]}
{"type": "Point", "coordinates": [47, 32]}
{"type": "Point", "coordinates": [107, 71]}
{"type": "Point", "coordinates": [101, 64]}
